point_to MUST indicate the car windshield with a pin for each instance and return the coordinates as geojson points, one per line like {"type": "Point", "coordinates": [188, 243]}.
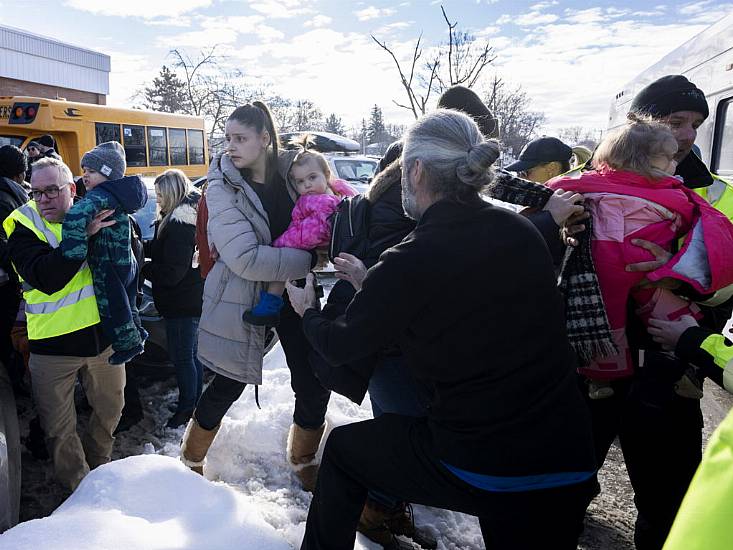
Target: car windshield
{"type": "Point", "coordinates": [145, 217]}
{"type": "Point", "coordinates": [355, 170]}
{"type": "Point", "coordinates": [11, 140]}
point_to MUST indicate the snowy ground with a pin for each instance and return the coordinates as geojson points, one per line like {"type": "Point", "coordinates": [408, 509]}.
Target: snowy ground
{"type": "Point", "coordinates": [254, 500]}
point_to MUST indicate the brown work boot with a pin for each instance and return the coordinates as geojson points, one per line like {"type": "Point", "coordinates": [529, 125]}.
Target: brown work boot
{"type": "Point", "coordinates": [401, 521]}
{"type": "Point", "coordinates": [301, 451]}
{"type": "Point", "coordinates": [195, 444]}
{"type": "Point", "coordinates": [372, 524]}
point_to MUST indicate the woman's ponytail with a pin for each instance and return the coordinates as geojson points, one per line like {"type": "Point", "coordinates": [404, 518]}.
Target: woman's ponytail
{"type": "Point", "coordinates": [274, 139]}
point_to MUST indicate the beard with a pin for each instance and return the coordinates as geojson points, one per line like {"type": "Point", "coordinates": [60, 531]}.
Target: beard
{"type": "Point", "coordinates": [409, 200]}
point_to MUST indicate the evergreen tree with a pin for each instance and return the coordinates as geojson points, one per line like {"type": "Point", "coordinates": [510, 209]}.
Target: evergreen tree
{"type": "Point", "coordinates": [375, 130]}
{"type": "Point", "coordinates": [333, 124]}
{"type": "Point", "coordinates": [167, 93]}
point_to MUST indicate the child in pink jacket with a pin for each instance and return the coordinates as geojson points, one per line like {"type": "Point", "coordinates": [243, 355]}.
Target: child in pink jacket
{"type": "Point", "coordinates": [632, 195]}
{"type": "Point", "coordinates": [320, 195]}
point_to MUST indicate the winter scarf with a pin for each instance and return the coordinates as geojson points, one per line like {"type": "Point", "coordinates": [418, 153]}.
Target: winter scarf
{"type": "Point", "coordinates": [587, 324]}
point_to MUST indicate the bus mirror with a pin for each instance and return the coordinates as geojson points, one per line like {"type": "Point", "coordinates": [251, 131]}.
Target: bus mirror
{"type": "Point", "coordinates": [23, 113]}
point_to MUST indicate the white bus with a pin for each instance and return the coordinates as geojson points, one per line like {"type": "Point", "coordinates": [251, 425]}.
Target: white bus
{"type": "Point", "coordinates": [707, 61]}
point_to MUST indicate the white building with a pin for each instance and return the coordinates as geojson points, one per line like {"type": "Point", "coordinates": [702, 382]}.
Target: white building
{"type": "Point", "coordinates": [38, 66]}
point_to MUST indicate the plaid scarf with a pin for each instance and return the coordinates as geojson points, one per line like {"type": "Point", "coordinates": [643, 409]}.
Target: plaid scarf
{"type": "Point", "coordinates": [586, 320]}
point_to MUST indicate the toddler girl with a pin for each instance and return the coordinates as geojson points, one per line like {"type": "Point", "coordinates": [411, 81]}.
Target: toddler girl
{"type": "Point", "coordinates": [632, 195]}
{"type": "Point", "coordinates": [320, 195]}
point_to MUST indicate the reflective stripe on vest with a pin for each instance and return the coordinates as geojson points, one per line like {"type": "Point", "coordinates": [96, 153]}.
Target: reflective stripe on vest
{"type": "Point", "coordinates": [70, 309]}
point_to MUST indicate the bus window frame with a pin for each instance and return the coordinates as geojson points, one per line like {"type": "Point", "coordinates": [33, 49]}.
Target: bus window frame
{"type": "Point", "coordinates": [725, 107]}
{"type": "Point", "coordinates": [144, 145]}
{"type": "Point", "coordinates": [203, 147]}
{"type": "Point", "coordinates": [119, 131]}
{"type": "Point", "coordinates": [185, 147]}
{"type": "Point", "coordinates": [148, 149]}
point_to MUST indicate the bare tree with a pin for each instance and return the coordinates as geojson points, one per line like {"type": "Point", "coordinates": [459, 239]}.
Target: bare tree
{"type": "Point", "coordinates": [511, 107]}
{"type": "Point", "coordinates": [459, 61]}
{"type": "Point", "coordinates": [418, 99]}
{"type": "Point", "coordinates": [579, 135]}
{"type": "Point", "coordinates": [295, 115]}
{"type": "Point", "coordinates": [466, 57]}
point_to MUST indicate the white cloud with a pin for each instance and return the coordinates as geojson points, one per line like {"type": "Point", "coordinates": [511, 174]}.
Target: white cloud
{"type": "Point", "coordinates": [281, 9]}
{"type": "Point", "coordinates": [318, 21]}
{"type": "Point", "coordinates": [139, 8]}
{"type": "Point", "coordinates": [130, 73]}
{"type": "Point", "coordinates": [372, 13]}
{"type": "Point", "coordinates": [706, 11]}
{"type": "Point", "coordinates": [694, 7]}
{"type": "Point", "coordinates": [386, 29]}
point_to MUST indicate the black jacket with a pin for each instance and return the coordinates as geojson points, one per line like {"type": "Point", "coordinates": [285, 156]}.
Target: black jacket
{"type": "Point", "coordinates": [46, 269]}
{"type": "Point", "coordinates": [471, 296]}
{"type": "Point", "coordinates": [177, 285]}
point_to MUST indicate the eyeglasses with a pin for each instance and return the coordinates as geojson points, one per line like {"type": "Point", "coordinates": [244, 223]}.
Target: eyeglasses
{"type": "Point", "coordinates": [50, 192]}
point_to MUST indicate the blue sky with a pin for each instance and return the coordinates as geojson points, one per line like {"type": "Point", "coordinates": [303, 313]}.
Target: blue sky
{"type": "Point", "coordinates": [571, 57]}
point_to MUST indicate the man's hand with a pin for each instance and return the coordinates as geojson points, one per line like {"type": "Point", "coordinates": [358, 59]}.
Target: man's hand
{"type": "Point", "coordinates": [668, 333]}
{"type": "Point", "coordinates": [302, 298]}
{"type": "Point", "coordinates": [573, 226]}
{"type": "Point", "coordinates": [350, 268]}
{"type": "Point", "coordinates": [99, 222]}
{"type": "Point", "coordinates": [661, 256]}
{"type": "Point", "coordinates": [563, 205]}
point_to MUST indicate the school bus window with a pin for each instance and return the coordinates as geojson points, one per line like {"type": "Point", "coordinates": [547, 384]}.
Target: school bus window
{"type": "Point", "coordinates": [723, 157]}
{"type": "Point", "coordinates": [177, 138]}
{"type": "Point", "coordinates": [157, 146]}
{"type": "Point", "coordinates": [107, 132]}
{"type": "Point", "coordinates": [195, 146]}
{"type": "Point", "coordinates": [135, 145]}
{"type": "Point", "coordinates": [11, 140]}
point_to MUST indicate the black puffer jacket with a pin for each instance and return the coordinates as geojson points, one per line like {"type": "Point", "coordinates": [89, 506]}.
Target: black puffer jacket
{"type": "Point", "coordinates": [177, 285]}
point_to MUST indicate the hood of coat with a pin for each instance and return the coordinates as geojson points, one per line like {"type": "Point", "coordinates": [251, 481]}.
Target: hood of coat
{"type": "Point", "coordinates": [392, 175]}
{"type": "Point", "coordinates": [129, 192]}
{"type": "Point", "coordinates": [186, 211]}
{"type": "Point", "coordinates": [14, 190]}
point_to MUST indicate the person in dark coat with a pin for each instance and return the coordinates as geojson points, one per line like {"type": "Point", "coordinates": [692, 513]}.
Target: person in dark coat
{"type": "Point", "coordinates": [177, 284]}
{"type": "Point", "coordinates": [12, 195]}
{"type": "Point", "coordinates": [507, 437]}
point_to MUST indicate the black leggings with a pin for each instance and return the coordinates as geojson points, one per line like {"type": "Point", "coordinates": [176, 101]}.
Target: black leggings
{"type": "Point", "coordinates": [311, 399]}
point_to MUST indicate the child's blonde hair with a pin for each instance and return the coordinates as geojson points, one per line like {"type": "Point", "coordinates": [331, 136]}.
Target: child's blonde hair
{"type": "Point", "coordinates": [304, 145]}
{"type": "Point", "coordinates": [634, 146]}
{"type": "Point", "coordinates": [172, 187]}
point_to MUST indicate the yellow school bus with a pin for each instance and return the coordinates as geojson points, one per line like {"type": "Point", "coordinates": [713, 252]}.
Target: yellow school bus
{"type": "Point", "coordinates": [153, 141]}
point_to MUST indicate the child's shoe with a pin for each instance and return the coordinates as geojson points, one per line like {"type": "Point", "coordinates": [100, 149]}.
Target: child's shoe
{"type": "Point", "coordinates": [599, 389]}
{"type": "Point", "coordinates": [266, 312]}
{"type": "Point", "coordinates": [123, 356]}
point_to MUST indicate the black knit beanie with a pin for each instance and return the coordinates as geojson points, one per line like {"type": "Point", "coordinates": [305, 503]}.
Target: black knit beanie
{"type": "Point", "coordinates": [12, 161]}
{"type": "Point", "coordinates": [670, 94]}
{"type": "Point", "coordinates": [47, 140]}
{"type": "Point", "coordinates": [460, 98]}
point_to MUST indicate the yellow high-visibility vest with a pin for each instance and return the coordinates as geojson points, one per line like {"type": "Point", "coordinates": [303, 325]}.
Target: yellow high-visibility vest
{"type": "Point", "coordinates": [720, 195]}
{"type": "Point", "coordinates": [72, 308]}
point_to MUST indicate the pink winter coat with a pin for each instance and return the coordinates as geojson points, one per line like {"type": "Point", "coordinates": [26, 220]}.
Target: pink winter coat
{"type": "Point", "coordinates": [310, 226]}
{"type": "Point", "coordinates": [709, 234]}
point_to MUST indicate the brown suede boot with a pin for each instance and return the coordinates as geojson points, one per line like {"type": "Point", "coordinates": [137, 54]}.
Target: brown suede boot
{"type": "Point", "coordinates": [195, 444]}
{"type": "Point", "coordinates": [401, 521]}
{"type": "Point", "coordinates": [301, 451]}
{"type": "Point", "coordinates": [372, 524]}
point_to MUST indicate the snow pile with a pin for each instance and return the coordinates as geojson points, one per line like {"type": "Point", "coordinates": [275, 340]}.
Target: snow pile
{"type": "Point", "coordinates": [150, 502]}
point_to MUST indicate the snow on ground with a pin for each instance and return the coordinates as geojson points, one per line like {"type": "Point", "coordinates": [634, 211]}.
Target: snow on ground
{"type": "Point", "coordinates": [152, 502]}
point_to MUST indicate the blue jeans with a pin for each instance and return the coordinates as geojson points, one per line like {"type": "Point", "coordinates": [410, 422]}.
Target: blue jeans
{"type": "Point", "coordinates": [393, 389]}
{"type": "Point", "coordinates": [182, 334]}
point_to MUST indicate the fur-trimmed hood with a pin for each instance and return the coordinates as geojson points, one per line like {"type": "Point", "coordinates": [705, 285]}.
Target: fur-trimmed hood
{"type": "Point", "coordinates": [384, 180]}
{"type": "Point", "coordinates": [186, 211]}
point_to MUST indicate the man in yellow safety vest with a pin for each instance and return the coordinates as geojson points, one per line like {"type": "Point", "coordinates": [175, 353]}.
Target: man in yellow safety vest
{"type": "Point", "coordinates": [64, 332]}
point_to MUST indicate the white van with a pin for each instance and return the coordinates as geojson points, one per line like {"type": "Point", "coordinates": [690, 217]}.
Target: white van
{"type": "Point", "coordinates": [707, 61]}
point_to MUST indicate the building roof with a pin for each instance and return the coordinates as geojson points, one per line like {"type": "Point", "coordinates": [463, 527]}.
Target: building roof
{"type": "Point", "coordinates": [34, 58]}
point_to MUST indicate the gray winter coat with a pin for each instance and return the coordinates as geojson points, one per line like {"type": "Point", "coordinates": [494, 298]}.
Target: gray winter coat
{"type": "Point", "coordinates": [239, 228]}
